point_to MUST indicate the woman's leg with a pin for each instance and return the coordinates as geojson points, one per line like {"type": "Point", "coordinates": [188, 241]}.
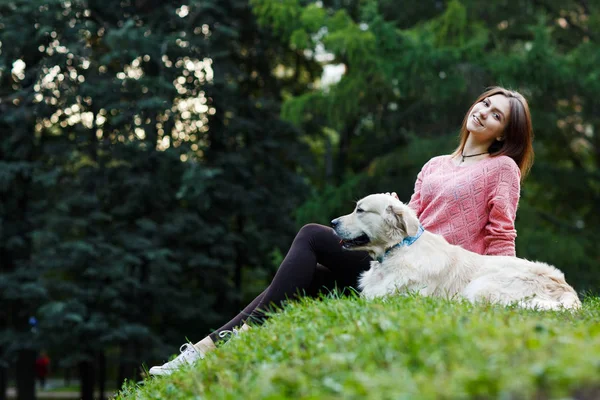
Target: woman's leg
{"type": "Point", "coordinates": [191, 353]}
{"type": "Point", "coordinates": [314, 244]}
{"type": "Point", "coordinates": [323, 279]}
{"type": "Point", "coordinates": [299, 273]}
{"type": "Point", "coordinates": [236, 321]}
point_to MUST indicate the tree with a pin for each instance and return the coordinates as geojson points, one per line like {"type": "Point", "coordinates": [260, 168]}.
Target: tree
{"type": "Point", "coordinates": [157, 177]}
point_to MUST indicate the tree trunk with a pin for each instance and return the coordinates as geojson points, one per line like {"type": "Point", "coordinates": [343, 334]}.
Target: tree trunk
{"type": "Point", "coordinates": [87, 380]}
{"type": "Point", "coordinates": [128, 369]}
{"type": "Point", "coordinates": [26, 375]}
{"type": "Point", "coordinates": [344, 149]}
{"type": "Point", "coordinates": [101, 374]}
{"type": "Point", "coordinates": [328, 161]}
{"type": "Point", "coordinates": [3, 382]}
{"type": "Point", "coordinates": [240, 259]}
{"type": "Point", "coordinates": [134, 365]}
{"type": "Point", "coordinates": [67, 376]}
{"type": "Point", "coordinates": [124, 370]}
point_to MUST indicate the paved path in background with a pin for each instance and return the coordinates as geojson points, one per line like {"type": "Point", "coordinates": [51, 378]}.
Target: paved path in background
{"type": "Point", "coordinates": [48, 393]}
{"type": "Point", "coordinates": [11, 393]}
{"type": "Point", "coordinates": [42, 394]}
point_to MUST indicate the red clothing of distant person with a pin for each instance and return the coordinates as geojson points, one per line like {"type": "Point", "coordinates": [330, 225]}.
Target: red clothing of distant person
{"type": "Point", "coordinates": [42, 366]}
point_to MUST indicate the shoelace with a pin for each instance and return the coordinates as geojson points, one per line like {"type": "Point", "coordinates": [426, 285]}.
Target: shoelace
{"type": "Point", "coordinates": [188, 350]}
{"type": "Point", "coordinates": [184, 347]}
{"type": "Point", "coordinates": [233, 332]}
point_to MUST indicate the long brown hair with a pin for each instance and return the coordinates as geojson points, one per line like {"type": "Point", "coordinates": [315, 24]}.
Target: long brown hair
{"type": "Point", "coordinates": [518, 133]}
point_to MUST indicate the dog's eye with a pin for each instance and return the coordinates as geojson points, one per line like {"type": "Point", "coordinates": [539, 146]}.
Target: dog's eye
{"type": "Point", "coordinates": [359, 210]}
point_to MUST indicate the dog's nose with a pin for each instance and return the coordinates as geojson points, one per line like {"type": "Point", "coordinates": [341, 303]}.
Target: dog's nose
{"type": "Point", "coordinates": [334, 223]}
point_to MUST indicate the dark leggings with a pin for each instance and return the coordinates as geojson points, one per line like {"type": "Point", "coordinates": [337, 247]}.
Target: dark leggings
{"type": "Point", "coordinates": [315, 262]}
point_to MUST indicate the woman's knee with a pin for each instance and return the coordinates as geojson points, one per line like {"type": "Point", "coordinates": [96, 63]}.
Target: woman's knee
{"type": "Point", "coordinates": [310, 232]}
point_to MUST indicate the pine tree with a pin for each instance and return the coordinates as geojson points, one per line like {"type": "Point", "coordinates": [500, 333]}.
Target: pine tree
{"type": "Point", "coordinates": [161, 183]}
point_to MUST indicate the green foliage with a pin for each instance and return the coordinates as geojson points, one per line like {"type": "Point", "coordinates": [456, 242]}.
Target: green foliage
{"type": "Point", "coordinates": [299, 39]}
{"type": "Point", "coordinates": [330, 202]}
{"type": "Point", "coordinates": [403, 347]}
{"type": "Point", "coordinates": [143, 168]}
{"type": "Point", "coordinates": [282, 17]}
{"type": "Point", "coordinates": [313, 17]}
{"type": "Point", "coordinates": [395, 171]}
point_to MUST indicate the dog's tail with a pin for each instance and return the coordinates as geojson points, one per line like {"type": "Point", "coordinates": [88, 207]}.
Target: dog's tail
{"type": "Point", "coordinates": [567, 301]}
{"type": "Point", "coordinates": [559, 295]}
{"type": "Point", "coordinates": [570, 301]}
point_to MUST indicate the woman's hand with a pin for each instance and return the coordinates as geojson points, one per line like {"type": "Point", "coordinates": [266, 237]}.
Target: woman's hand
{"type": "Point", "coordinates": [393, 194]}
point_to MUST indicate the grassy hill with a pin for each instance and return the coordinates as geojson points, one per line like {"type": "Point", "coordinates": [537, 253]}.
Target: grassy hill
{"type": "Point", "coordinates": [401, 348]}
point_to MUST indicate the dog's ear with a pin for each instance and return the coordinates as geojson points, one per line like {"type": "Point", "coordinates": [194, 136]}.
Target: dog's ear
{"type": "Point", "coordinates": [399, 218]}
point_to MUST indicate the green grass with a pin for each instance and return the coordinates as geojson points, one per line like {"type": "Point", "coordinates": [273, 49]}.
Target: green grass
{"type": "Point", "coordinates": [401, 348]}
{"type": "Point", "coordinates": [69, 388]}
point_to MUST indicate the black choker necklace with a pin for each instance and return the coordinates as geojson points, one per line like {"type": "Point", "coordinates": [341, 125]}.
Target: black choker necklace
{"type": "Point", "coordinates": [472, 155]}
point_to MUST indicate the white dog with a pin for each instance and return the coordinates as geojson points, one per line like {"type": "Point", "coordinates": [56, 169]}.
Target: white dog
{"type": "Point", "coordinates": [410, 259]}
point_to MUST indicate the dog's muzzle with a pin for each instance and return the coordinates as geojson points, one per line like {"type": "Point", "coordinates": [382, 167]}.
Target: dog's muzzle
{"type": "Point", "coordinates": [346, 242]}
{"type": "Point", "coordinates": [354, 242]}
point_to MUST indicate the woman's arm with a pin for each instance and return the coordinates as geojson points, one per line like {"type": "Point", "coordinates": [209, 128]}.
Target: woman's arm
{"type": "Point", "coordinates": [500, 232]}
{"type": "Point", "coordinates": [415, 199]}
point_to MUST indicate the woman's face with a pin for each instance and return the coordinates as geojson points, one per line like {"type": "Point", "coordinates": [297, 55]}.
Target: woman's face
{"type": "Point", "coordinates": [489, 117]}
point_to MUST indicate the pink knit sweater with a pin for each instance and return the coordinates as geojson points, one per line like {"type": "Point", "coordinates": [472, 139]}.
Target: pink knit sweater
{"type": "Point", "coordinates": [473, 206]}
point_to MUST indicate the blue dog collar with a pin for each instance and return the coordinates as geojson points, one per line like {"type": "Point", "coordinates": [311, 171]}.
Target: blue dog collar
{"type": "Point", "coordinates": [407, 241]}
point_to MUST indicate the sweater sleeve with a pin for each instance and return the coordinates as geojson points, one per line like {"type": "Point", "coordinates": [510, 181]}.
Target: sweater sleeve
{"type": "Point", "coordinates": [500, 232]}
{"type": "Point", "coordinates": [415, 199]}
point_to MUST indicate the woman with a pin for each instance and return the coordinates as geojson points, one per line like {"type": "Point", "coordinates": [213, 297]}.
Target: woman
{"type": "Point", "coordinates": [470, 197]}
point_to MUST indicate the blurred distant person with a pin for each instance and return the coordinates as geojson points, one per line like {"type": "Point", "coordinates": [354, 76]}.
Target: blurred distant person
{"type": "Point", "coordinates": [42, 368]}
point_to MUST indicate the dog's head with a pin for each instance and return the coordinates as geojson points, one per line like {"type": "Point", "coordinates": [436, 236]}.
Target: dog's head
{"type": "Point", "coordinates": [378, 222]}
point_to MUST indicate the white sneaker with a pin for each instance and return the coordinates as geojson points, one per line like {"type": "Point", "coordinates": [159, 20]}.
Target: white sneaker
{"type": "Point", "coordinates": [189, 355]}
